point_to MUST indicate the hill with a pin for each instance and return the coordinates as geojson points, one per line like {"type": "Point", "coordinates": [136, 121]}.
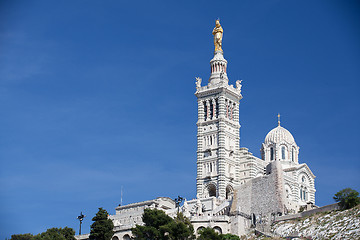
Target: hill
{"type": "Point", "coordinates": [326, 225]}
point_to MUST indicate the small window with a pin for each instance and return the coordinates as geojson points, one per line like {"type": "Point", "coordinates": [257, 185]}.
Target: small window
{"type": "Point", "coordinates": [292, 155]}
{"type": "Point", "coordinates": [271, 153]}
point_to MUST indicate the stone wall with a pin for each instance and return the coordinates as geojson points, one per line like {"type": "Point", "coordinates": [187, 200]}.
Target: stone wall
{"type": "Point", "coordinates": [331, 207]}
{"type": "Point", "coordinates": [262, 196]}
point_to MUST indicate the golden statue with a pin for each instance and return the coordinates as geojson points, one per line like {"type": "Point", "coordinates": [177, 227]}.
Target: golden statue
{"type": "Point", "coordinates": [218, 33]}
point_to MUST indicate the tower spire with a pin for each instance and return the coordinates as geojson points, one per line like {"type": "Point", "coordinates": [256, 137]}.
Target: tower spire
{"type": "Point", "coordinates": [278, 119]}
{"type": "Point", "coordinates": [218, 63]}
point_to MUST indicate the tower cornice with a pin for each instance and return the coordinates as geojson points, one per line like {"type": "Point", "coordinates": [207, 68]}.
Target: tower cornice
{"type": "Point", "coordinates": [218, 88]}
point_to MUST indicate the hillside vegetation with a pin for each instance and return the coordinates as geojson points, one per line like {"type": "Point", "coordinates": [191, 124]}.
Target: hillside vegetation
{"type": "Point", "coordinates": [327, 225]}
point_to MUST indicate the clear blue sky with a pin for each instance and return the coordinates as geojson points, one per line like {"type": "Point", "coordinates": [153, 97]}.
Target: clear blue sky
{"type": "Point", "coordinates": [95, 95]}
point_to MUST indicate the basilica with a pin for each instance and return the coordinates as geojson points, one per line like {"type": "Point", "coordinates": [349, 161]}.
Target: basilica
{"type": "Point", "coordinates": [236, 190]}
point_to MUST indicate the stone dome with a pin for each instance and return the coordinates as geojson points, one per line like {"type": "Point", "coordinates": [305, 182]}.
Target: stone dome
{"type": "Point", "coordinates": [278, 135]}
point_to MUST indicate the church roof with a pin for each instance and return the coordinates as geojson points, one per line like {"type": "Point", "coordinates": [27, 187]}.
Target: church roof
{"type": "Point", "coordinates": [278, 135]}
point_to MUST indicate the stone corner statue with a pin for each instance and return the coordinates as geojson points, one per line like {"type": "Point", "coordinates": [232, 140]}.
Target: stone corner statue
{"type": "Point", "coordinates": [198, 83]}
{"type": "Point", "coordinates": [218, 34]}
{"type": "Point", "coordinates": [238, 85]}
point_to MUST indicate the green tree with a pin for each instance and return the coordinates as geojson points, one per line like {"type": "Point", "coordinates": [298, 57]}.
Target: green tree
{"type": "Point", "coordinates": [208, 234]}
{"type": "Point", "coordinates": [159, 226]}
{"type": "Point", "coordinates": [102, 227]}
{"type": "Point", "coordinates": [229, 237]}
{"type": "Point", "coordinates": [26, 236]}
{"type": "Point", "coordinates": [56, 234]}
{"type": "Point", "coordinates": [50, 234]}
{"type": "Point", "coordinates": [179, 229]}
{"type": "Point", "coordinates": [154, 222]}
{"type": "Point", "coordinates": [347, 198]}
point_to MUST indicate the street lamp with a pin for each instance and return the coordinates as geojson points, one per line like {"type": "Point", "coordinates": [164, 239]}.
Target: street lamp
{"type": "Point", "coordinates": [81, 218]}
{"type": "Point", "coordinates": [178, 200]}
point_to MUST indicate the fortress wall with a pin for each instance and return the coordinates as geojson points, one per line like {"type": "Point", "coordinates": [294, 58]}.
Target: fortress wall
{"type": "Point", "coordinates": [262, 195]}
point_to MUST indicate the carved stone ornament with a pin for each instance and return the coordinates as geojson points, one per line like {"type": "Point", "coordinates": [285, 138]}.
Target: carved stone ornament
{"type": "Point", "coordinates": [198, 83]}
{"type": "Point", "coordinates": [238, 86]}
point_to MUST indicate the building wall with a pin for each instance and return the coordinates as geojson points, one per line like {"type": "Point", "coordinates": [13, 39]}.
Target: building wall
{"type": "Point", "coordinates": [261, 196]}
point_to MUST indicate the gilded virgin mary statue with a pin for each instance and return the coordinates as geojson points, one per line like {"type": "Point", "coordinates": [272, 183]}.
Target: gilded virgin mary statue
{"type": "Point", "coordinates": [218, 33]}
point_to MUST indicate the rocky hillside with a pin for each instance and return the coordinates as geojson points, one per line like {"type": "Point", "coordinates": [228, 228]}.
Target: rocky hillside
{"type": "Point", "coordinates": [326, 225]}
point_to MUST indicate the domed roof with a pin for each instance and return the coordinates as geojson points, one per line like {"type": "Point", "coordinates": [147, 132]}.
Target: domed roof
{"type": "Point", "coordinates": [279, 134]}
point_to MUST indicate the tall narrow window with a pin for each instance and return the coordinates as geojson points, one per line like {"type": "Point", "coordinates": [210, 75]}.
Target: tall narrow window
{"type": "Point", "coordinates": [205, 110]}
{"type": "Point", "coordinates": [227, 109]}
{"type": "Point", "coordinates": [271, 153]}
{"type": "Point", "coordinates": [211, 110]}
{"type": "Point", "coordinates": [283, 152]}
{"type": "Point", "coordinates": [292, 155]}
{"type": "Point", "coordinates": [217, 108]}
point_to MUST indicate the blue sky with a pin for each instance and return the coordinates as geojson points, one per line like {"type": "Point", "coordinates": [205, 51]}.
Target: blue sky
{"type": "Point", "coordinates": [99, 95]}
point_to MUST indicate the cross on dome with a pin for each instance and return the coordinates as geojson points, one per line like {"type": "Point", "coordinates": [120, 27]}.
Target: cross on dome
{"type": "Point", "coordinates": [278, 119]}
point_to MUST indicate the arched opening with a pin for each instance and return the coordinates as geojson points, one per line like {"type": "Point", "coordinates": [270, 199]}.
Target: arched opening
{"type": "Point", "coordinates": [115, 238]}
{"type": "Point", "coordinates": [199, 229]}
{"type": "Point", "coordinates": [218, 230]}
{"type": "Point", "coordinates": [283, 152]}
{"type": "Point", "coordinates": [229, 192]}
{"type": "Point", "coordinates": [126, 237]}
{"type": "Point", "coordinates": [292, 155]}
{"type": "Point", "coordinates": [212, 190]}
{"type": "Point", "coordinates": [271, 153]}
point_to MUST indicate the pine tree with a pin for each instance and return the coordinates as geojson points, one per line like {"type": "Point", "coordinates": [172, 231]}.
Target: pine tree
{"type": "Point", "coordinates": [347, 198]}
{"type": "Point", "coordinates": [102, 227]}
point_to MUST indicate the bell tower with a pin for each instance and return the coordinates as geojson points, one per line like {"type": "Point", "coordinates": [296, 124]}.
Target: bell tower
{"type": "Point", "coordinates": [218, 126]}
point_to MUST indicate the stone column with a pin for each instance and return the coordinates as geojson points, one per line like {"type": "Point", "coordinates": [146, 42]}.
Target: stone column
{"type": "Point", "coordinates": [237, 143]}
{"type": "Point", "coordinates": [222, 152]}
{"type": "Point", "coordinates": [200, 139]}
{"type": "Point", "coordinates": [207, 110]}
{"type": "Point", "coordinates": [214, 108]}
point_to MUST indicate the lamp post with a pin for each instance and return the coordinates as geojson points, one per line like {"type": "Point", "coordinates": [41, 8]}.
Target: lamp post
{"type": "Point", "coordinates": [81, 218]}
{"type": "Point", "coordinates": [178, 200]}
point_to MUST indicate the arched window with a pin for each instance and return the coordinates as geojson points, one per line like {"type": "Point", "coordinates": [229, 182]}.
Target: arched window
{"type": "Point", "coordinates": [283, 152]}
{"type": "Point", "coordinates": [218, 230]}
{"type": "Point", "coordinates": [292, 155]}
{"type": "Point", "coordinates": [271, 153]}
{"type": "Point", "coordinates": [212, 190]}
{"type": "Point", "coordinates": [229, 192]}
{"type": "Point", "coordinates": [199, 229]}
{"type": "Point", "coordinates": [205, 111]}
